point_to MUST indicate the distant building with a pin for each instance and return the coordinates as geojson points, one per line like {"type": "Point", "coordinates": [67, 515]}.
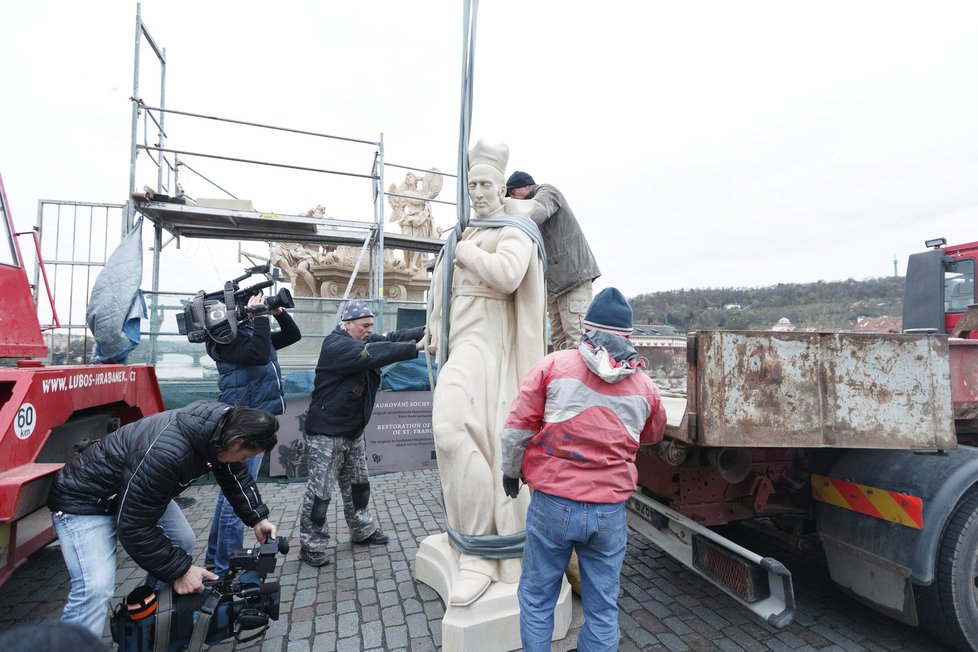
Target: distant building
{"type": "Point", "coordinates": [878, 325]}
{"type": "Point", "coordinates": [784, 325]}
{"type": "Point", "coordinates": [657, 335]}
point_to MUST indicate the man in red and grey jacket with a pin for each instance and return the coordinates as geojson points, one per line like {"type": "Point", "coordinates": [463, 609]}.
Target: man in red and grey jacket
{"type": "Point", "coordinates": [572, 434]}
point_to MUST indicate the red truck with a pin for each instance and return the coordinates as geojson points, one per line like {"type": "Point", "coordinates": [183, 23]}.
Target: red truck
{"type": "Point", "coordinates": [46, 412]}
{"type": "Point", "coordinates": [868, 441]}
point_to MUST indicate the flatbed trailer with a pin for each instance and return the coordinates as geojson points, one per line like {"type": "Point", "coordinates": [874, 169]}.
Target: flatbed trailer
{"type": "Point", "coordinates": [867, 441]}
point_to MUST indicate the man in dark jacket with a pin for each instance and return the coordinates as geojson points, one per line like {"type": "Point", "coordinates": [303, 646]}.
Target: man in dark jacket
{"type": "Point", "coordinates": [122, 487]}
{"type": "Point", "coordinates": [347, 378]}
{"type": "Point", "coordinates": [571, 266]}
{"type": "Point", "coordinates": [249, 376]}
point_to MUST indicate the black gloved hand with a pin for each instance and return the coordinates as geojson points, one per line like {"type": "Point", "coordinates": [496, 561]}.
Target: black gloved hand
{"type": "Point", "coordinates": [511, 486]}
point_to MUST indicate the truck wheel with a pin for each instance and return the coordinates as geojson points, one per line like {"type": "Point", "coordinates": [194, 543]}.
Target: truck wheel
{"type": "Point", "coordinates": [949, 607]}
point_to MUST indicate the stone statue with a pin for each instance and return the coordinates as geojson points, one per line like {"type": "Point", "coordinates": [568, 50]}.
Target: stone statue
{"type": "Point", "coordinates": [496, 332]}
{"type": "Point", "coordinates": [411, 210]}
{"type": "Point", "coordinates": [295, 260]}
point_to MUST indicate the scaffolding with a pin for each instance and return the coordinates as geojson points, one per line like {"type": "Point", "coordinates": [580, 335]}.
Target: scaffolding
{"type": "Point", "coordinates": [179, 218]}
{"type": "Point", "coordinates": [76, 239]}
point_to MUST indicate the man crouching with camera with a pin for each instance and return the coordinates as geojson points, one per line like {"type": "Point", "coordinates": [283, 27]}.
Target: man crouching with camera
{"type": "Point", "coordinates": [122, 488]}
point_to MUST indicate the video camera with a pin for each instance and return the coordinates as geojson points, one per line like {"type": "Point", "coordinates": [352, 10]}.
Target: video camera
{"type": "Point", "coordinates": [218, 315]}
{"type": "Point", "coordinates": [240, 601]}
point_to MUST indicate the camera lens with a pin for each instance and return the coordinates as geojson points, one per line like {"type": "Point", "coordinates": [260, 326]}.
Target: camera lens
{"type": "Point", "coordinates": [281, 299]}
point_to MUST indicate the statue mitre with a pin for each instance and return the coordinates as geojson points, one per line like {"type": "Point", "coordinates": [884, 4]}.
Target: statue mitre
{"type": "Point", "coordinates": [495, 155]}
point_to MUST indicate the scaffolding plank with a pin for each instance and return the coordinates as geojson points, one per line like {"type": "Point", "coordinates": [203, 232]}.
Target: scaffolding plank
{"type": "Point", "coordinates": [227, 224]}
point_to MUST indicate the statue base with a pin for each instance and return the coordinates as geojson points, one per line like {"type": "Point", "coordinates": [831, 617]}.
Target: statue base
{"type": "Point", "coordinates": [491, 623]}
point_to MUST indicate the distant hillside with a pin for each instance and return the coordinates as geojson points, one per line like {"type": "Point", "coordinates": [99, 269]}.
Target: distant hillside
{"type": "Point", "coordinates": [821, 305]}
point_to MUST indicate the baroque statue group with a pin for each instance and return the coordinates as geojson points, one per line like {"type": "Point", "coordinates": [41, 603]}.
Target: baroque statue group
{"type": "Point", "coordinates": [316, 270]}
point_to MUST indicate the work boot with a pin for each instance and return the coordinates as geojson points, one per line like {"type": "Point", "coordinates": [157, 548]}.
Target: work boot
{"type": "Point", "coordinates": [378, 538]}
{"type": "Point", "coordinates": [316, 559]}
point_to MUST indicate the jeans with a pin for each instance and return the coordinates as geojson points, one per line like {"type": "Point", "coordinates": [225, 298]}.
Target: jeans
{"type": "Point", "coordinates": [227, 530]}
{"type": "Point", "coordinates": [88, 545]}
{"type": "Point", "coordinates": [555, 526]}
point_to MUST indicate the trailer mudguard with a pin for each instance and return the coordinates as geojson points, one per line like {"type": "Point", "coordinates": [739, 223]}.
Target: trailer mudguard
{"type": "Point", "coordinates": [938, 479]}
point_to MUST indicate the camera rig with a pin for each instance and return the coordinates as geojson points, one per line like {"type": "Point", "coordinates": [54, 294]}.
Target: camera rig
{"type": "Point", "coordinates": [218, 315]}
{"type": "Point", "coordinates": [242, 600]}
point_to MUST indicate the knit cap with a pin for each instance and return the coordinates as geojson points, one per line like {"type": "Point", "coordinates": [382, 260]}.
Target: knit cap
{"type": "Point", "coordinates": [355, 309]}
{"type": "Point", "coordinates": [519, 179]}
{"type": "Point", "coordinates": [610, 312]}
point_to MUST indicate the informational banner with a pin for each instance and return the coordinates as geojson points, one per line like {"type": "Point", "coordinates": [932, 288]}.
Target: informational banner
{"type": "Point", "coordinates": [398, 436]}
{"type": "Point", "coordinates": [289, 456]}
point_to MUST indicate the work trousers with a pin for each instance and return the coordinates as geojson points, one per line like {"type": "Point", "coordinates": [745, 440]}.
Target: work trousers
{"type": "Point", "coordinates": [342, 461]}
{"type": "Point", "coordinates": [567, 316]}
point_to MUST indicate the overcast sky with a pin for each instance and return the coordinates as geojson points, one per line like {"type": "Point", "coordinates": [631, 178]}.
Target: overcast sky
{"type": "Point", "coordinates": [701, 144]}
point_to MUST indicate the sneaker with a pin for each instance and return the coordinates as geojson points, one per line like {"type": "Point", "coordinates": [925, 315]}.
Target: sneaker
{"type": "Point", "coordinates": [378, 538]}
{"type": "Point", "coordinates": [313, 558]}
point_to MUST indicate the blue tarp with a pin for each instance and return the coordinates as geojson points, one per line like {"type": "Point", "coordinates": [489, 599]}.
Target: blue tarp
{"type": "Point", "coordinates": [117, 303]}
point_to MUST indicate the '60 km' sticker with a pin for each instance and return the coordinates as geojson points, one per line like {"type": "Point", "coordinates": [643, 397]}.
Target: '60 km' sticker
{"type": "Point", "coordinates": [25, 421]}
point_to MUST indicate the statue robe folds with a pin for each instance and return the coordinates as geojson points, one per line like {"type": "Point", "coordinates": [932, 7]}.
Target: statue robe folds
{"type": "Point", "coordinates": [496, 333]}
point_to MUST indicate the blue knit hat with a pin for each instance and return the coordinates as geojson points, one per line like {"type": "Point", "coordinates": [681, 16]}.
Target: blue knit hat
{"type": "Point", "coordinates": [609, 311]}
{"type": "Point", "coordinates": [355, 309]}
{"type": "Point", "coordinates": [518, 180]}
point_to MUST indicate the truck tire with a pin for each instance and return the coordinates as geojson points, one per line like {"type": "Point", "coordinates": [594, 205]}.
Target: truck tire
{"type": "Point", "coordinates": [949, 607]}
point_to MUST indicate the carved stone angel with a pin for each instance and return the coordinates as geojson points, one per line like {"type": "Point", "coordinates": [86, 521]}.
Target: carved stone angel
{"type": "Point", "coordinates": [411, 210]}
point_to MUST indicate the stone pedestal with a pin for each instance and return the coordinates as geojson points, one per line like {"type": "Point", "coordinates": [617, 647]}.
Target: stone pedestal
{"type": "Point", "coordinates": [399, 284]}
{"type": "Point", "coordinates": [491, 623]}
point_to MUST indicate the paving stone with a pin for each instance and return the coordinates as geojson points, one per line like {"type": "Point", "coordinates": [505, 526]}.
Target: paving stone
{"type": "Point", "coordinates": [368, 598]}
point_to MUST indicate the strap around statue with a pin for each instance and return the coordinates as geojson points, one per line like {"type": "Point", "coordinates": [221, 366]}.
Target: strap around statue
{"type": "Point", "coordinates": [524, 224]}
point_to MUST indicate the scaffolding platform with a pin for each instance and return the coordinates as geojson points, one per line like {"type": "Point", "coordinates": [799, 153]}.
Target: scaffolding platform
{"type": "Point", "coordinates": [185, 220]}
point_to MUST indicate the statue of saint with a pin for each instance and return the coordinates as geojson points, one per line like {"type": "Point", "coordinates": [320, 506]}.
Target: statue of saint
{"type": "Point", "coordinates": [495, 333]}
{"type": "Point", "coordinates": [412, 211]}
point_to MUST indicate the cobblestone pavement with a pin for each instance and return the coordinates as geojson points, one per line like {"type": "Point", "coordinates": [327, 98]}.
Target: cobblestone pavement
{"type": "Point", "coordinates": [367, 599]}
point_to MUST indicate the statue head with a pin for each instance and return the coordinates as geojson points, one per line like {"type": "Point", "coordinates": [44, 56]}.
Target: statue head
{"type": "Point", "coordinates": [487, 174]}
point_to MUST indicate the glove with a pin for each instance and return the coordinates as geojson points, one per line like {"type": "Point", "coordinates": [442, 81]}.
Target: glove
{"type": "Point", "coordinates": [511, 486]}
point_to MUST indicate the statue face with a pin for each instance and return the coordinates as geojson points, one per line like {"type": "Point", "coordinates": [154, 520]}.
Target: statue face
{"type": "Point", "coordinates": [486, 190]}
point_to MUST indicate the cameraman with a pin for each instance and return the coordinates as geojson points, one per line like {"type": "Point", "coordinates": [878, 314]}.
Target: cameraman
{"type": "Point", "coordinates": [249, 376]}
{"type": "Point", "coordinates": [122, 487]}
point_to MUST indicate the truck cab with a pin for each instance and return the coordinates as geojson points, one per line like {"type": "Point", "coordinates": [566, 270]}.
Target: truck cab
{"type": "Point", "coordinates": [20, 333]}
{"type": "Point", "coordinates": [47, 412]}
{"type": "Point", "coordinates": [940, 286]}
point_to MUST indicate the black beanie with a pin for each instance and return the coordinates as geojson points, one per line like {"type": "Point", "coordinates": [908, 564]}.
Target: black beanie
{"type": "Point", "coordinates": [519, 179]}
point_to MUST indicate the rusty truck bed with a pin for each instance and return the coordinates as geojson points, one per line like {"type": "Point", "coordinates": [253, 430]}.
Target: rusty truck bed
{"type": "Point", "coordinates": [817, 390]}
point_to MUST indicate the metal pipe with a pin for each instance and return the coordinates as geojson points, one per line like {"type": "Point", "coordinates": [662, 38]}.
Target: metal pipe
{"type": "Point", "coordinates": [44, 274]}
{"type": "Point", "coordinates": [161, 134]}
{"type": "Point", "coordinates": [436, 201]}
{"type": "Point", "coordinates": [422, 170]}
{"type": "Point", "coordinates": [378, 251]}
{"type": "Point", "coordinates": [131, 211]}
{"type": "Point", "coordinates": [263, 126]}
{"type": "Point", "coordinates": [245, 160]}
